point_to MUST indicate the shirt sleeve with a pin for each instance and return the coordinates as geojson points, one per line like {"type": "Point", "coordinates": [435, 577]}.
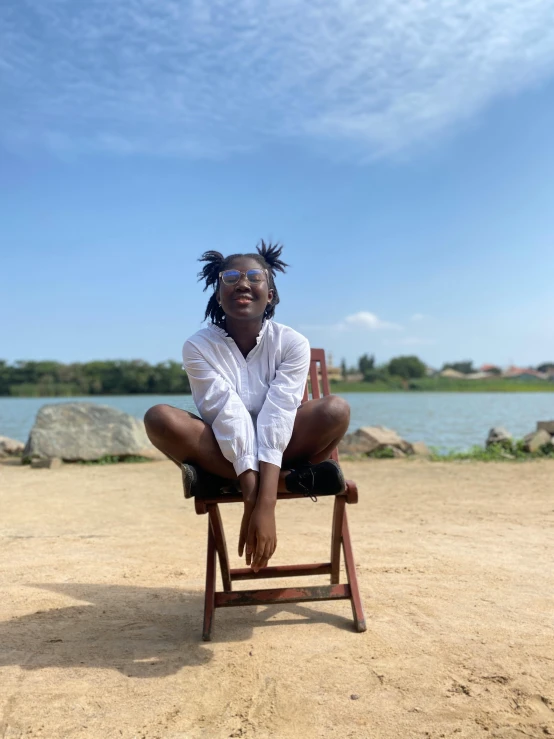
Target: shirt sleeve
{"type": "Point", "coordinates": [221, 406]}
{"type": "Point", "coordinates": [276, 418]}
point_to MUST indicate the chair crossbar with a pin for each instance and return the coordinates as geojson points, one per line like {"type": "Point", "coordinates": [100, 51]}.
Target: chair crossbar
{"type": "Point", "coordinates": [282, 595]}
{"type": "Point", "coordinates": [318, 386]}
{"type": "Point", "coordinates": [246, 573]}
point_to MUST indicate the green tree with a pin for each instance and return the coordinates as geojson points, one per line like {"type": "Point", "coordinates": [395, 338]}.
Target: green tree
{"type": "Point", "coordinates": [366, 364]}
{"type": "Point", "coordinates": [407, 367]}
{"type": "Point", "coordinates": [106, 377]}
{"type": "Point", "coordinates": [343, 369]}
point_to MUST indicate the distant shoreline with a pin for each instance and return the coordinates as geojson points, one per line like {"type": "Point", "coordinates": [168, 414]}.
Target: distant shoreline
{"type": "Point", "coordinates": [418, 386]}
{"type": "Point", "coordinates": [446, 386]}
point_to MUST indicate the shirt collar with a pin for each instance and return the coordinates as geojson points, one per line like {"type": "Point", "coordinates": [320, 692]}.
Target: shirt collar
{"type": "Point", "coordinates": [224, 335]}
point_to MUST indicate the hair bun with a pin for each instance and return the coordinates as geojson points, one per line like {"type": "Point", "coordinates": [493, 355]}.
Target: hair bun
{"type": "Point", "coordinates": [272, 253]}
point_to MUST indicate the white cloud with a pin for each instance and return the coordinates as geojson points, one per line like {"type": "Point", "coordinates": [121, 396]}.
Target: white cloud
{"type": "Point", "coordinates": [363, 320]}
{"type": "Point", "coordinates": [205, 77]}
{"type": "Point", "coordinates": [370, 321]}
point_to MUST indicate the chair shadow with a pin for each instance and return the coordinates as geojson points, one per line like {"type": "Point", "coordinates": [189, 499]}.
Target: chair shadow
{"type": "Point", "coordinates": [227, 620]}
{"type": "Point", "coordinates": [142, 632]}
{"type": "Point", "coordinates": [139, 631]}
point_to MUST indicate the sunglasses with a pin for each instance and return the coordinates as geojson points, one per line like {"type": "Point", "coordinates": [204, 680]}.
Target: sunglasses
{"type": "Point", "coordinates": [232, 276]}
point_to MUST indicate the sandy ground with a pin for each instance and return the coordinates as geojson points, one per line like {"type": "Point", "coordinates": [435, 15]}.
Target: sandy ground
{"type": "Point", "coordinates": [101, 607]}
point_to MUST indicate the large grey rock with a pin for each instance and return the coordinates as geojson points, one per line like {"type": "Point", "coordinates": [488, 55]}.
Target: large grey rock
{"type": "Point", "coordinates": [10, 447]}
{"type": "Point", "coordinates": [378, 437]}
{"type": "Point", "coordinates": [355, 444]}
{"type": "Point", "coordinates": [534, 441]}
{"type": "Point", "coordinates": [85, 432]}
{"type": "Point", "coordinates": [499, 435]}
{"type": "Point", "coordinates": [546, 426]}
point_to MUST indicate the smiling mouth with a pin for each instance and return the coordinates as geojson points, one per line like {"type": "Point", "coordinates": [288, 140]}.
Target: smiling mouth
{"type": "Point", "coordinates": [244, 299]}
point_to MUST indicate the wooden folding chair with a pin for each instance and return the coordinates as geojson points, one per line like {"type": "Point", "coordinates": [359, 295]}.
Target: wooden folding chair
{"type": "Point", "coordinates": [340, 536]}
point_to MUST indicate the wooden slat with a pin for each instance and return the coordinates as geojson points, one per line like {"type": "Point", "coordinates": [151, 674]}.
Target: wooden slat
{"type": "Point", "coordinates": [245, 573]}
{"type": "Point", "coordinates": [238, 498]}
{"type": "Point", "coordinates": [350, 565]}
{"type": "Point", "coordinates": [314, 381]}
{"type": "Point", "coordinates": [336, 539]}
{"type": "Point", "coordinates": [282, 595]}
{"type": "Point", "coordinates": [221, 546]}
{"type": "Point", "coordinates": [324, 377]}
{"type": "Point", "coordinates": [209, 595]}
{"type": "Point", "coordinates": [318, 355]}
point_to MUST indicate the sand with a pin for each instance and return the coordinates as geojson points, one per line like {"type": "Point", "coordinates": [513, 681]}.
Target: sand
{"type": "Point", "coordinates": [101, 607]}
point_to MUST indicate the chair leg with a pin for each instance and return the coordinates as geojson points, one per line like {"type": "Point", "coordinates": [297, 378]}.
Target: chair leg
{"type": "Point", "coordinates": [209, 596]}
{"type": "Point", "coordinates": [356, 601]}
{"type": "Point", "coordinates": [221, 546]}
{"type": "Point", "coordinates": [336, 537]}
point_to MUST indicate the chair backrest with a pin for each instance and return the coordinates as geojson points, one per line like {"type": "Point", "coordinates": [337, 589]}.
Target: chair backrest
{"type": "Point", "coordinates": [317, 385]}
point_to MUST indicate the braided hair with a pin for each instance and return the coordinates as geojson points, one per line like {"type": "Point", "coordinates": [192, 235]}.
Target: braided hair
{"type": "Point", "coordinates": [268, 257]}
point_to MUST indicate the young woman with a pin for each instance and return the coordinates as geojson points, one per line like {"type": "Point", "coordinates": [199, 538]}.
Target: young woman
{"type": "Point", "coordinates": [247, 375]}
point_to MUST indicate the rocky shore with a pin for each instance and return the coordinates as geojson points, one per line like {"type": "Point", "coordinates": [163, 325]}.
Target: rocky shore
{"type": "Point", "coordinates": [88, 432]}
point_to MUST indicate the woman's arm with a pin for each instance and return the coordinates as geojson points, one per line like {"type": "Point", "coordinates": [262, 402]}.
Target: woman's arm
{"type": "Point", "coordinates": [276, 418]}
{"type": "Point", "coordinates": [221, 406]}
{"type": "Point", "coordinates": [275, 425]}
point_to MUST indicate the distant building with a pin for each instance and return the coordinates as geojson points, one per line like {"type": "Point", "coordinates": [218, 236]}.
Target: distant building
{"type": "Point", "coordinates": [354, 377]}
{"type": "Point", "coordinates": [525, 373]}
{"type": "Point", "coordinates": [453, 374]}
{"type": "Point", "coordinates": [333, 373]}
{"type": "Point", "coordinates": [492, 369]}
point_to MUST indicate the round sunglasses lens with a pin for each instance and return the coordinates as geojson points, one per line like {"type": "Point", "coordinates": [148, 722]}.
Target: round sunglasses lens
{"type": "Point", "coordinates": [255, 275]}
{"type": "Point", "coordinates": [231, 276]}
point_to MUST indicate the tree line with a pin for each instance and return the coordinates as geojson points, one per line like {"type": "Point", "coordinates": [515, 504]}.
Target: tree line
{"type": "Point", "coordinates": [411, 367]}
{"type": "Point", "coordinates": [128, 377]}
{"type": "Point", "coordinates": [108, 377]}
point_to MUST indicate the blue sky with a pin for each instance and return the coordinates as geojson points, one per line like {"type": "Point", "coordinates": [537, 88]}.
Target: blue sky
{"type": "Point", "coordinates": [402, 152]}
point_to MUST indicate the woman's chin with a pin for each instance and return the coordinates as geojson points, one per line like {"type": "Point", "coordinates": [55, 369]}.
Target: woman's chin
{"type": "Point", "coordinates": [244, 313]}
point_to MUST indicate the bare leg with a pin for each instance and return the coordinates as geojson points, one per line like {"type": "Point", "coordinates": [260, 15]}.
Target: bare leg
{"type": "Point", "coordinates": [183, 437]}
{"type": "Point", "coordinates": [318, 428]}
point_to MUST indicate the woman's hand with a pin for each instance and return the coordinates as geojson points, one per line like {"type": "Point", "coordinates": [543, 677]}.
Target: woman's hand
{"type": "Point", "coordinates": [261, 540]}
{"type": "Point", "coordinates": [249, 483]}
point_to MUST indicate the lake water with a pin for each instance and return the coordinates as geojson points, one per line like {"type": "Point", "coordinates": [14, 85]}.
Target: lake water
{"type": "Point", "coordinates": [445, 420]}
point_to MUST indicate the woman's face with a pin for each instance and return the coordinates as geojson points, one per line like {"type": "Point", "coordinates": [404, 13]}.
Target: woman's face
{"type": "Point", "coordinates": [244, 300]}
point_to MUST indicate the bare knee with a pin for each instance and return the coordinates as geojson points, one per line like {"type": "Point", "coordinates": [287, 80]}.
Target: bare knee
{"type": "Point", "coordinates": [336, 412]}
{"type": "Point", "coordinates": [159, 421]}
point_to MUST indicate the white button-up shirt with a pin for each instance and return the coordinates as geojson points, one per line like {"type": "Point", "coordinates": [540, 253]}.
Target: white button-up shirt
{"type": "Point", "coordinates": [251, 402]}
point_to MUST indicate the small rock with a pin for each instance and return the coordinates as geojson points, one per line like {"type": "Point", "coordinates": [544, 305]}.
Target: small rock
{"type": "Point", "coordinates": [10, 447]}
{"type": "Point", "coordinates": [354, 697]}
{"type": "Point", "coordinates": [396, 452]}
{"type": "Point", "coordinates": [541, 426]}
{"type": "Point", "coordinates": [534, 441]}
{"type": "Point", "coordinates": [405, 446]}
{"type": "Point", "coordinates": [50, 463]}
{"type": "Point", "coordinates": [499, 435]}
{"type": "Point", "coordinates": [419, 448]}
